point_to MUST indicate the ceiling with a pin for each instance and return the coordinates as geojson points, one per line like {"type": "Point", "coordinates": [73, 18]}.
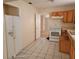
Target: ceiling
{"type": "Point", "coordinates": [46, 6]}
{"type": "Point", "coordinates": [48, 3]}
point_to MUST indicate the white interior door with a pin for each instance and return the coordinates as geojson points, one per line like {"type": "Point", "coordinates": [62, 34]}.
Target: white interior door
{"type": "Point", "coordinates": [17, 30]}
{"type": "Point", "coordinates": [13, 29]}
{"type": "Point", "coordinates": [10, 36]}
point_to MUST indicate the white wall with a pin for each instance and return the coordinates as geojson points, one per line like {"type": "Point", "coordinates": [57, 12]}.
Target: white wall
{"type": "Point", "coordinates": [38, 25]}
{"type": "Point", "coordinates": [44, 18]}
{"type": "Point", "coordinates": [68, 25]}
{"type": "Point", "coordinates": [27, 14]}
{"type": "Point", "coordinates": [53, 23]}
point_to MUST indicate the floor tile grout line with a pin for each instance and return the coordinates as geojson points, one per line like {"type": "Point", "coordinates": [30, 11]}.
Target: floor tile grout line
{"type": "Point", "coordinates": [39, 46]}
{"type": "Point", "coordinates": [32, 52]}
{"type": "Point", "coordinates": [47, 51]}
{"type": "Point", "coordinates": [25, 48]}
{"type": "Point", "coordinates": [39, 52]}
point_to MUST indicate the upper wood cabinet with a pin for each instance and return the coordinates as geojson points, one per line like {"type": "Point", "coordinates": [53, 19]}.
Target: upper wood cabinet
{"type": "Point", "coordinates": [68, 16]}
{"type": "Point", "coordinates": [60, 13]}
{"type": "Point", "coordinates": [74, 16]}
{"type": "Point", "coordinates": [11, 10]}
{"type": "Point", "coordinates": [54, 14]}
{"type": "Point", "coordinates": [65, 17]}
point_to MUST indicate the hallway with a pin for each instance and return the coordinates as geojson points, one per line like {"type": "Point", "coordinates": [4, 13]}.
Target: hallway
{"type": "Point", "coordinates": [42, 49]}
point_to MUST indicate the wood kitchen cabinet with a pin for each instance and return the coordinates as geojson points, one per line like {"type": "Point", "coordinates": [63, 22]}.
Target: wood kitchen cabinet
{"type": "Point", "coordinates": [65, 17]}
{"type": "Point", "coordinates": [64, 43]}
{"type": "Point", "coordinates": [72, 53]}
{"type": "Point", "coordinates": [62, 47]}
{"type": "Point", "coordinates": [74, 16]}
{"type": "Point", "coordinates": [60, 13]}
{"type": "Point", "coordinates": [68, 16]}
{"type": "Point", "coordinates": [54, 14]}
{"type": "Point", "coordinates": [11, 10]}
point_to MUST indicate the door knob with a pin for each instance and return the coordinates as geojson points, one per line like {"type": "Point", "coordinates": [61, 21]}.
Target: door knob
{"type": "Point", "coordinates": [11, 33]}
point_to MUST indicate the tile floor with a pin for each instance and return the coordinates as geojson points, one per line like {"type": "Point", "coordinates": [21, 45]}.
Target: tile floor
{"type": "Point", "coordinates": [42, 49]}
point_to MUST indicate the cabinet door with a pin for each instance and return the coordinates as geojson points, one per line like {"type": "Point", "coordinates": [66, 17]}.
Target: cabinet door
{"type": "Point", "coordinates": [72, 53]}
{"type": "Point", "coordinates": [60, 13]}
{"type": "Point", "coordinates": [64, 42]}
{"type": "Point", "coordinates": [74, 16]}
{"type": "Point", "coordinates": [65, 17]}
{"type": "Point", "coordinates": [62, 45]}
{"type": "Point", "coordinates": [54, 14]}
{"type": "Point", "coordinates": [67, 41]}
{"type": "Point", "coordinates": [70, 16]}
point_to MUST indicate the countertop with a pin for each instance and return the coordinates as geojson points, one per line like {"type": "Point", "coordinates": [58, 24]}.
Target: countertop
{"type": "Point", "coordinates": [71, 34]}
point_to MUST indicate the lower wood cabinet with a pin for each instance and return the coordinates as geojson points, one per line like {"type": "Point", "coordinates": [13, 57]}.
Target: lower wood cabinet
{"type": "Point", "coordinates": [72, 52]}
{"type": "Point", "coordinates": [62, 44]}
{"type": "Point", "coordinates": [66, 46]}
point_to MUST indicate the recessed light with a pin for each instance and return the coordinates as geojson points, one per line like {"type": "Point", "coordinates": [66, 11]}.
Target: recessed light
{"type": "Point", "coordinates": [30, 3]}
{"type": "Point", "coordinates": [51, 0]}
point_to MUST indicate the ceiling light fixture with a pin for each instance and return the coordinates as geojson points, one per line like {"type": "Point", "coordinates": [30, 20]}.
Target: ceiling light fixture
{"type": "Point", "coordinates": [30, 3]}
{"type": "Point", "coordinates": [51, 0]}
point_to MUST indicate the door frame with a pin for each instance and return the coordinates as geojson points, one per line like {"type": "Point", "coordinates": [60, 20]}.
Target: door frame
{"type": "Point", "coordinates": [35, 25]}
{"type": "Point", "coordinates": [5, 33]}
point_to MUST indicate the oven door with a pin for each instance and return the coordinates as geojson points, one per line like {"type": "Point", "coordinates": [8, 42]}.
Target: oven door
{"type": "Point", "coordinates": [54, 35]}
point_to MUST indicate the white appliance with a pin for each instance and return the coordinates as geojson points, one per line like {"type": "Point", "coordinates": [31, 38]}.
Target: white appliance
{"type": "Point", "coordinates": [54, 27]}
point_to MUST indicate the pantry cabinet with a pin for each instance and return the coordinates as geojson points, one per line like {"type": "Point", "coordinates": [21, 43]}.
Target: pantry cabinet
{"type": "Point", "coordinates": [11, 10]}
